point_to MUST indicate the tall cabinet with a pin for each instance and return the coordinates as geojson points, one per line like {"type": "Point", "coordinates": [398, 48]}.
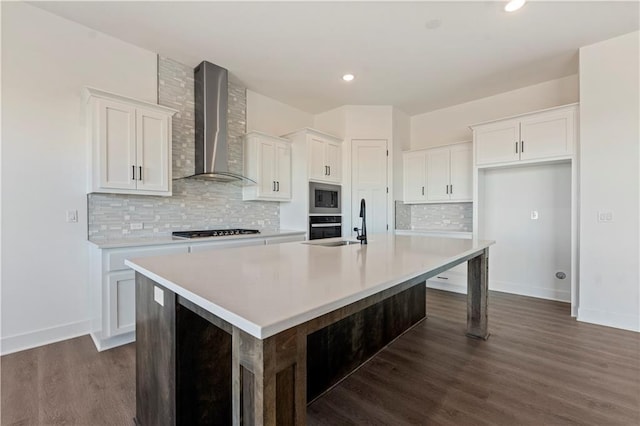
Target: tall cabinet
{"type": "Point", "coordinates": [130, 144]}
{"type": "Point", "coordinates": [525, 197]}
{"type": "Point", "coordinates": [316, 156]}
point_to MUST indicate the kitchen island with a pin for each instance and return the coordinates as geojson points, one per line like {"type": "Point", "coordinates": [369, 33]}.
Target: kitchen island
{"type": "Point", "coordinates": [251, 335]}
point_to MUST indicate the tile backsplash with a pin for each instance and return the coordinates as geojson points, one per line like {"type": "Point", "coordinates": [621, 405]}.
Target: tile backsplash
{"type": "Point", "coordinates": [195, 204]}
{"type": "Point", "coordinates": [435, 217]}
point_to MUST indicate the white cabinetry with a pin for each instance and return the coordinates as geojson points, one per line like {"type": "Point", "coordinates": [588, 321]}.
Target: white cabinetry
{"type": "Point", "coordinates": [268, 162]}
{"type": "Point", "coordinates": [438, 175]}
{"type": "Point", "coordinates": [324, 154]}
{"type": "Point", "coordinates": [130, 145]}
{"type": "Point", "coordinates": [546, 135]}
{"type": "Point", "coordinates": [113, 304]}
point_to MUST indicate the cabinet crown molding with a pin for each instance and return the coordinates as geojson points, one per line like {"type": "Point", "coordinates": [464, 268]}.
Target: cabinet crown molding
{"type": "Point", "coordinates": [92, 92]}
{"type": "Point", "coordinates": [266, 135]}
{"type": "Point", "coordinates": [313, 131]}
{"type": "Point", "coordinates": [525, 114]}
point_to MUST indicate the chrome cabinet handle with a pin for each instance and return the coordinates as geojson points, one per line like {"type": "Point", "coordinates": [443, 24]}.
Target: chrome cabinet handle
{"type": "Point", "coordinates": [521, 147]}
{"type": "Point", "coordinates": [133, 172]}
{"type": "Point", "coordinates": [423, 190]}
{"type": "Point", "coordinates": [329, 167]}
{"type": "Point", "coordinates": [451, 189]}
{"type": "Point", "coordinates": [516, 147]}
{"type": "Point", "coordinates": [447, 187]}
{"type": "Point", "coordinates": [140, 174]}
{"type": "Point", "coordinates": [274, 186]}
{"type": "Point", "coordinates": [278, 186]}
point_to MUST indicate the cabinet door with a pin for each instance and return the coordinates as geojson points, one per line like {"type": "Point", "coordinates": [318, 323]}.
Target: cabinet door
{"type": "Point", "coordinates": [461, 173]}
{"type": "Point", "coordinates": [547, 135]}
{"type": "Point", "coordinates": [437, 174]}
{"type": "Point", "coordinates": [117, 145]}
{"type": "Point", "coordinates": [121, 300]}
{"type": "Point", "coordinates": [414, 177]}
{"type": "Point", "coordinates": [317, 164]}
{"type": "Point", "coordinates": [266, 168]}
{"type": "Point", "coordinates": [152, 151]}
{"type": "Point", "coordinates": [333, 158]}
{"type": "Point", "coordinates": [497, 143]}
{"type": "Point", "coordinates": [283, 170]}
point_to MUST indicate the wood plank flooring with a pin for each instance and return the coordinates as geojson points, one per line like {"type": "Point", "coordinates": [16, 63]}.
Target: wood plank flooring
{"type": "Point", "coordinates": [538, 367]}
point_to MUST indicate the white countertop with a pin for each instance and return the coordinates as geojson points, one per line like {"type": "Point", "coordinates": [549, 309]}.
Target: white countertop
{"type": "Point", "coordinates": [264, 290]}
{"type": "Point", "coordinates": [152, 241]}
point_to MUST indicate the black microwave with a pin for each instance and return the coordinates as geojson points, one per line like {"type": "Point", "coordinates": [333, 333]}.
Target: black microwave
{"type": "Point", "coordinates": [324, 198]}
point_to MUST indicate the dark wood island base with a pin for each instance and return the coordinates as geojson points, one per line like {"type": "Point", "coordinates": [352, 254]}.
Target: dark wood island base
{"type": "Point", "coordinates": [194, 368]}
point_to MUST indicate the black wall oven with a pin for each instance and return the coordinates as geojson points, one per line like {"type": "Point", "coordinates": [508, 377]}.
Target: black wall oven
{"type": "Point", "coordinates": [325, 227]}
{"type": "Point", "coordinates": [324, 198]}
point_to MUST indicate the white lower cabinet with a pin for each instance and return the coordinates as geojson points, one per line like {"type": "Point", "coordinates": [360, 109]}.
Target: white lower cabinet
{"type": "Point", "coordinates": [121, 291]}
{"type": "Point", "coordinates": [113, 291]}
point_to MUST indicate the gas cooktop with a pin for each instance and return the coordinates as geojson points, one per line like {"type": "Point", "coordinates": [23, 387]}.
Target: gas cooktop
{"type": "Point", "coordinates": [213, 233]}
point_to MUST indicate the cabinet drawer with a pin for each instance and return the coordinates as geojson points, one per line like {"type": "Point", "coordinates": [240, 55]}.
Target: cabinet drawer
{"type": "Point", "coordinates": [285, 239]}
{"type": "Point", "coordinates": [115, 259]}
{"type": "Point", "coordinates": [196, 248]}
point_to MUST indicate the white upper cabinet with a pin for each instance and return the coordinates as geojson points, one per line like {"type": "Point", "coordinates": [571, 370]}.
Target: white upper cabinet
{"type": "Point", "coordinates": [325, 158]}
{"type": "Point", "coordinates": [130, 145]}
{"type": "Point", "coordinates": [415, 178]}
{"type": "Point", "coordinates": [267, 160]}
{"type": "Point", "coordinates": [546, 135]}
{"type": "Point", "coordinates": [438, 175]}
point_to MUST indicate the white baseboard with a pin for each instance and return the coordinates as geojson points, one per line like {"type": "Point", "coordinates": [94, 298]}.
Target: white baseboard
{"type": "Point", "coordinates": [609, 319]}
{"type": "Point", "coordinates": [539, 292]}
{"type": "Point", "coordinates": [42, 337]}
{"type": "Point", "coordinates": [103, 344]}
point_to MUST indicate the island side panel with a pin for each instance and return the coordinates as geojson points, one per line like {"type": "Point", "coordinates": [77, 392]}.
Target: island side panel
{"type": "Point", "coordinates": [477, 296]}
{"type": "Point", "coordinates": [335, 351]}
{"type": "Point", "coordinates": [155, 355]}
{"type": "Point", "coordinates": [203, 370]}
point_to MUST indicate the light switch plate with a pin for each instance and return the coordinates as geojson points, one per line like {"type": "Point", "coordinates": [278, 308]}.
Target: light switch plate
{"type": "Point", "coordinates": [72, 216]}
{"type": "Point", "coordinates": [158, 295]}
{"type": "Point", "coordinates": [605, 216]}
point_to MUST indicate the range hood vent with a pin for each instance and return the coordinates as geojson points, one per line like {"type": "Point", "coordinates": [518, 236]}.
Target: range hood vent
{"type": "Point", "coordinates": [211, 103]}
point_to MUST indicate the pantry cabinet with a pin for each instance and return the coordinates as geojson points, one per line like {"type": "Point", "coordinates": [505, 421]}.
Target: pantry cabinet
{"type": "Point", "coordinates": [130, 145]}
{"type": "Point", "coordinates": [267, 161]}
{"type": "Point", "coordinates": [539, 136]}
{"type": "Point", "coordinates": [438, 175]}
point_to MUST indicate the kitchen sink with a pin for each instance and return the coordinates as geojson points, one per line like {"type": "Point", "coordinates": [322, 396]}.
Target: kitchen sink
{"type": "Point", "coordinates": [333, 243]}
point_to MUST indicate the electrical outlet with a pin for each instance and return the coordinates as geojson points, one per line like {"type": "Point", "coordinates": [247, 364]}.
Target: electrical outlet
{"type": "Point", "coordinates": [534, 215]}
{"type": "Point", "coordinates": [136, 226]}
{"type": "Point", "coordinates": [72, 216]}
{"type": "Point", "coordinates": [158, 295]}
{"type": "Point", "coordinates": [605, 216]}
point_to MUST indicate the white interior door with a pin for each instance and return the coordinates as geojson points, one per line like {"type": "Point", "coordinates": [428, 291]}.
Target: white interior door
{"type": "Point", "coordinates": [369, 181]}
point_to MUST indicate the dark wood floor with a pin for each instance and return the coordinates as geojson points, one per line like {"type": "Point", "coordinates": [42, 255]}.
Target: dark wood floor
{"type": "Point", "coordinates": [538, 367]}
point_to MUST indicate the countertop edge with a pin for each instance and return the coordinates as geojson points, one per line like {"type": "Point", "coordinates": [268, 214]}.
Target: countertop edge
{"type": "Point", "coordinates": [143, 242]}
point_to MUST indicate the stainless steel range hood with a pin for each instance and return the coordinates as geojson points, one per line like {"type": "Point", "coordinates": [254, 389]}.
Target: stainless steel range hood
{"type": "Point", "coordinates": [211, 103]}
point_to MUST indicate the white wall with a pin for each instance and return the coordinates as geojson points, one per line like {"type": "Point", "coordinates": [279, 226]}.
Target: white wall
{"type": "Point", "coordinates": [450, 125]}
{"type": "Point", "coordinates": [528, 252]}
{"type": "Point", "coordinates": [401, 142]}
{"type": "Point", "coordinates": [274, 117]}
{"type": "Point", "coordinates": [46, 60]}
{"type": "Point", "coordinates": [610, 181]}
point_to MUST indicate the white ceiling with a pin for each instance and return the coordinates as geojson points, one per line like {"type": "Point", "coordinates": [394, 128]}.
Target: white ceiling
{"type": "Point", "coordinates": [418, 56]}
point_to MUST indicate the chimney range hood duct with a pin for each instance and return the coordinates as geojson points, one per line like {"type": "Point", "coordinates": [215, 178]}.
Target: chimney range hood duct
{"type": "Point", "coordinates": [211, 103]}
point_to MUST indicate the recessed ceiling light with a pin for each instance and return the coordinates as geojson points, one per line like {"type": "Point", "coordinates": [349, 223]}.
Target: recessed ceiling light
{"type": "Point", "coordinates": [514, 5]}
{"type": "Point", "coordinates": [348, 77]}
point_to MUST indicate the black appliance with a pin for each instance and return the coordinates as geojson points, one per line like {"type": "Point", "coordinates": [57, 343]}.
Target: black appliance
{"type": "Point", "coordinates": [324, 198]}
{"type": "Point", "coordinates": [325, 227]}
{"type": "Point", "coordinates": [213, 233]}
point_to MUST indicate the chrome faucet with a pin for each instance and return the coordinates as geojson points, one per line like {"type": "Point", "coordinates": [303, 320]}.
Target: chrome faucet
{"type": "Point", "coordinates": [362, 232]}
